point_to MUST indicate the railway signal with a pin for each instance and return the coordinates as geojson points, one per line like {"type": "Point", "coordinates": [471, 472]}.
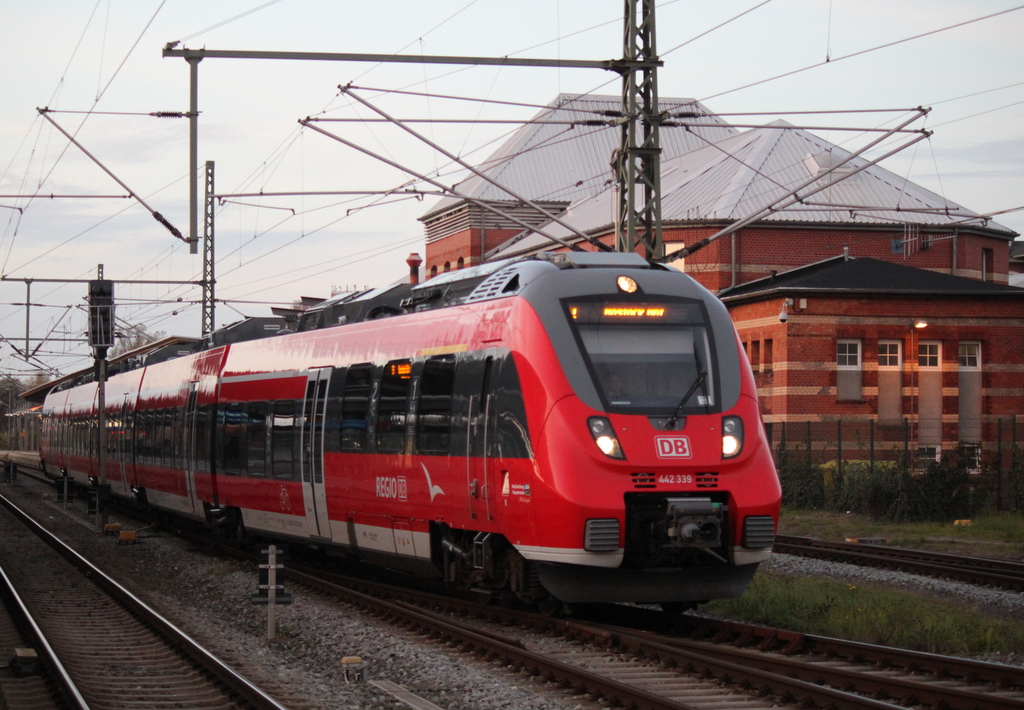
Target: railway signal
{"type": "Point", "coordinates": [101, 316]}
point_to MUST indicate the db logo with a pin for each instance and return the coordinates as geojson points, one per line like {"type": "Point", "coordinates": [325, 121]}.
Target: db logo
{"type": "Point", "coordinates": [392, 487]}
{"type": "Point", "coordinates": [673, 447]}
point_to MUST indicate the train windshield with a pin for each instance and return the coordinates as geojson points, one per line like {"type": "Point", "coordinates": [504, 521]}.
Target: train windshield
{"type": "Point", "coordinates": [647, 357]}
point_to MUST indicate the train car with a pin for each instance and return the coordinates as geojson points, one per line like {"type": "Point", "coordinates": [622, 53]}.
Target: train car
{"type": "Point", "coordinates": [571, 427]}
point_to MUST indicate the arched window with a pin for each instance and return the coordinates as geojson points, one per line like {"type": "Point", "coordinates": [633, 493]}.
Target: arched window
{"type": "Point", "coordinates": [461, 263]}
{"type": "Point", "coordinates": [433, 271]}
{"type": "Point", "coordinates": [447, 266]}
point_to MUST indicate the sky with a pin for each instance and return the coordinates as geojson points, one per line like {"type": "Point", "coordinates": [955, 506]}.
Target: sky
{"type": "Point", "coordinates": [771, 58]}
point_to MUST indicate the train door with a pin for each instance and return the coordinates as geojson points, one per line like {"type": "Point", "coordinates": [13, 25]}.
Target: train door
{"type": "Point", "coordinates": [312, 460]}
{"type": "Point", "coordinates": [191, 454]}
{"type": "Point", "coordinates": [478, 435]}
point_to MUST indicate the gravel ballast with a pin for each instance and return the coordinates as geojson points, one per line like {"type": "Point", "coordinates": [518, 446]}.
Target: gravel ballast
{"type": "Point", "coordinates": [209, 597]}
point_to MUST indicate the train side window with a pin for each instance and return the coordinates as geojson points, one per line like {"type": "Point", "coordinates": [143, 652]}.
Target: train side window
{"type": "Point", "coordinates": [145, 436]}
{"type": "Point", "coordinates": [152, 437]}
{"type": "Point", "coordinates": [434, 410]}
{"type": "Point", "coordinates": [167, 441]}
{"type": "Point", "coordinates": [158, 437]}
{"type": "Point", "coordinates": [355, 407]}
{"type": "Point", "coordinates": [511, 437]}
{"type": "Point", "coordinates": [178, 434]}
{"type": "Point", "coordinates": [283, 436]}
{"type": "Point", "coordinates": [204, 415]}
{"type": "Point", "coordinates": [232, 434]}
{"type": "Point", "coordinates": [333, 414]}
{"type": "Point", "coordinates": [393, 406]}
{"type": "Point", "coordinates": [256, 436]}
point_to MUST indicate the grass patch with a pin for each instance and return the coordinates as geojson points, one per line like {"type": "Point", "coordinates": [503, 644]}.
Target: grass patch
{"type": "Point", "coordinates": [872, 614]}
{"type": "Point", "coordinates": [987, 535]}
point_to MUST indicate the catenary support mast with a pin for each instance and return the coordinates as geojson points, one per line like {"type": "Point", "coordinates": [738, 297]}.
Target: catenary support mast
{"type": "Point", "coordinates": [638, 161]}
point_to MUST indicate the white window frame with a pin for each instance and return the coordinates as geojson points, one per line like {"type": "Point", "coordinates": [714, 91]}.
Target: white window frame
{"type": "Point", "coordinates": [976, 367]}
{"type": "Point", "coordinates": [860, 350]}
{"type": "Point", "coordinates": [938, 354]}
{"type": "Point", "coordinates": [973, 454]}
{"type": "Point", "coordinates": [925, 456]}
{"type": "Point", "coordinates": [899, 354]}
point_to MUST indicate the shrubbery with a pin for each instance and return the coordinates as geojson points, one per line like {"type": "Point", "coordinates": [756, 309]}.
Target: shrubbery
{"type": "Point", "coordinates": [943, 491]}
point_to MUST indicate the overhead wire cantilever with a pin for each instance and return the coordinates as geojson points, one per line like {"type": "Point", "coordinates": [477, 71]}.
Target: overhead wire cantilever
{"type": "Point", "coordinates": [44, 112]}
{"type": "Point", "coordinates": [483, 176]}
{"type": "Point", "coordinates": [447, 190]}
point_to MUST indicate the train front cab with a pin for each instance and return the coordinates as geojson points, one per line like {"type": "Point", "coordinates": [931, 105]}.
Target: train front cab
{"type": "Point", "coordinates": [659, 484]}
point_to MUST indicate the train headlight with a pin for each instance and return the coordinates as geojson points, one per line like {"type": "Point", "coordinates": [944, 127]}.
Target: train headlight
{"type": "Point", "coordinates": [604, 437]}
{"type": "Point", "coordinates": [732, 437]}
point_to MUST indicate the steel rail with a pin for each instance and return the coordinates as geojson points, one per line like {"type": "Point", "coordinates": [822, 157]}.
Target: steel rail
{"type": "Point", "coordinates": [67, 687]}
{"type": "Point", "coordinates": [977, 570]}
{"type": "Point", "coordinates": [238, 684]}
{"type": "Point", "coordinates": [740, 674]}
{"type": "Point", "coordinates": [879, 685]}
{"type": "Point", "coordinates": [791, 642]}
{"type": "Point", "coordinates": [497, 646]}
{"type": "Point", "coordinates": [737, 663]}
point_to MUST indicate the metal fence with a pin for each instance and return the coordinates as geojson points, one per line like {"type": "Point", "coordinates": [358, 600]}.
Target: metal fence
{"type": "Point", "coordinates": [822, 461]}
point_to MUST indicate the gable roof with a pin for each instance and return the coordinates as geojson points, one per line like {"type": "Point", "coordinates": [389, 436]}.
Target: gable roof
{"type": "Point", "coordinates": [841, 276]}
{"type": "Point", "coordinates": [564, 152]}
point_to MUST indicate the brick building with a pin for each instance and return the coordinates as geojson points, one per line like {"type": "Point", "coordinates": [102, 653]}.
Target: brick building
{"type": "Point", "coordinates": [865, 340]}
{"type": "Point", "coordinates": [856, 264]}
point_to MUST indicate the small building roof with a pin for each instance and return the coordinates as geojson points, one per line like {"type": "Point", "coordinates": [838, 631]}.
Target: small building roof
{"type": "Point", "coordinates": [865, 276]}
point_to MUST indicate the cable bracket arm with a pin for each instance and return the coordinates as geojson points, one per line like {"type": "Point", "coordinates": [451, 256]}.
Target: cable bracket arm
{"type": "Point", "coordinates": [44, 112]}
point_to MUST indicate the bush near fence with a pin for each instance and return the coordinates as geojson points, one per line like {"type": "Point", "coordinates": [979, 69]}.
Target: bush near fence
{"type": "Point", "coordinates": [882, 478]}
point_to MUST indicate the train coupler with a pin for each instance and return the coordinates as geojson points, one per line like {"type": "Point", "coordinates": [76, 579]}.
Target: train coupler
{"type": "Point", "coordinates": [694, 522]}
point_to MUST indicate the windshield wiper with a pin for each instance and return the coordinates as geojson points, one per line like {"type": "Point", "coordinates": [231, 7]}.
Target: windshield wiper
{"type": "Point", "coordinates": [701, 381]}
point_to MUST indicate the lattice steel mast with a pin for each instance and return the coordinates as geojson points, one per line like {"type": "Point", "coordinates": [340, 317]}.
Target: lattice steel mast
{"type": "Point", "coordinates": [638, 160]}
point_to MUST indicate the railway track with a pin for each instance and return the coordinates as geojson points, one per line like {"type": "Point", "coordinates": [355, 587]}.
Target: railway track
{"type": "Point", "coordinates": [976, 570]}
{"type": "Point", "coordinates": [690, 662]}
{"type": "Point", "coordinates": [33, 677]}
{"type": "Point", "coordinates": [118, 652]}
{"type": "Point", "coordinates": [699, 663]}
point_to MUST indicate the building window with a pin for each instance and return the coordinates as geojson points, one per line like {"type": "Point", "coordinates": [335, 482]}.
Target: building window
{"type": "Point", "coordinates": [755, 355]}
{"type": "Point", "coordinates": [987, 264]}
{"type": "Point", "coordinates": [897, 246]}
{"type": "Point", "coordinates": [928, 354]}
{"type": "Point", "coordinates": [889, 354]}
{"type": "Point", "coordinates": [848, 374]}
{"type": "Point", "coordinates": [970, 356]}
{"type": "Point", "coordinates": [768, 354]}
{"type": "Point", "coordinates": [848, 354]}
{"type": "Point", "coordinates": [927, 456]}
{"type": "Point", "coordinates": [890, 381]}
{"type": "Point", "coordinates": [972, 458]}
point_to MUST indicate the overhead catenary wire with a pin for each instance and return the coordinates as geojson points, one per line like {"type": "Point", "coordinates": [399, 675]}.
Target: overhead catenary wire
{"type": "Point", "coordinates": [862, 52]}
{"type": "Point", "coordinates": [271, 281]}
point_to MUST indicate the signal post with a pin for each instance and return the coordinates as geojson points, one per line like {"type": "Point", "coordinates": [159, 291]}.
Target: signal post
{"type": "Point", "coordinates": [101, 337]}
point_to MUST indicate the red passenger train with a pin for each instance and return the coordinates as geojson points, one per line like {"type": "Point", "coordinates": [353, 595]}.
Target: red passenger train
{"type": "Point", "coordinates": [577, 426]}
